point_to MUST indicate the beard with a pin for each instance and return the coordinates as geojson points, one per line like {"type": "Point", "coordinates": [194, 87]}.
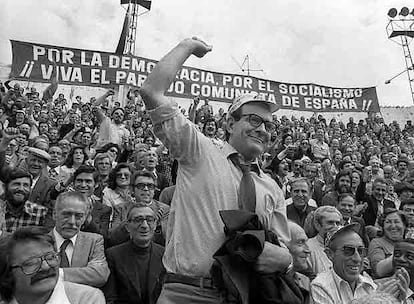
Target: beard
{"type": "Point", "coordinates": [9, 195]}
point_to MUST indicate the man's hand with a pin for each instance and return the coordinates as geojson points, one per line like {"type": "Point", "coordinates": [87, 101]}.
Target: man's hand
{"type": "Point", "coordinates": [110, 92]}
{"type": "Point", "coordinates": [403, 283]}
{"type": "Point", "coordinates": [8, 135]}
{"type": "Point", "coordinates": [200, 48]}
{"type": "Point", "coordinates": [273, 258]}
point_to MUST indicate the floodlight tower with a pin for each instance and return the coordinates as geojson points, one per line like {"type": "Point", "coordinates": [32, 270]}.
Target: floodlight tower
{"type": "Point", "coordinates": [132, 17]}
{"type": "Point", "coordinates": [400, 29]}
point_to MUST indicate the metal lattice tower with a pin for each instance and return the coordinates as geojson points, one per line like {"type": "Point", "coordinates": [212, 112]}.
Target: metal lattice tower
{"type": "Point", "coordinates": [132, 29]}
{"type": "Point", "coordinates": [400, 29]}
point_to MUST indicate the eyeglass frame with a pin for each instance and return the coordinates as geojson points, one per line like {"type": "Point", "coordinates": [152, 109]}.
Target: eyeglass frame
{"type": "Point", "coordinates": [41, 258]}
{"type": "Point", "coordinates": [146, 185]}
{"type": "Point", "coordinates": [262, 121]}
{"type": "Point", "coordinates": [362, 251]}
{"type": "Point", "coordinates": [139, 220]}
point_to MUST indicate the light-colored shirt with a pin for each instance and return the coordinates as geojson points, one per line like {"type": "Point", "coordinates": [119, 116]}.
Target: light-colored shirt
{"type": "Point", "coordinates": [329, 288]}
{"type": "Point", "coordinates": [320, 149]}
{"type": "Point", "coordinates": [69, 249]}
{"type": "Point", "coordinates": [58, 295]}
{"type": "Point", "coordinates": [110, 132]}
{"type": "Point", "coordinates": [207, 182]}
{"type": "Point", "coordinates": [318, 259]}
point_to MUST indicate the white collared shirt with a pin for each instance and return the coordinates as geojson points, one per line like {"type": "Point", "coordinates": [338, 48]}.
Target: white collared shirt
{"type": "Point", "coordinates": [35, 181]}
{"type": "Point", "coordinates": [329, 288]}
{"type": "Point", "coordinates": [58, 295]}
{"type": "Point", "coordinates": [69, 249]}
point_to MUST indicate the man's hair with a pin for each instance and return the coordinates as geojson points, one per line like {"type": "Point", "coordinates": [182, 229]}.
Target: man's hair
{"type": "Point", "coordinates": [86, 169]}
{"type": "Point", "coordinates": [339, 175]}
{"type": "Point", "coordinates": [99, 157]}
{"type": "Point", "coordinates": [300, 180]}
{"type": "Point", "coordinates": [144, 174]}
{"type": "Point", "coordinates": [379, 180]}
{"type": "Point", "coordinates": [112, 175]}
{"type": "Point", "coordinates": [13, 174]}
{"type": "Point", "coordinates": [70, 196]}
{"type": "Point", "coordinates": [137, 206]}
{"type": "Point", "coordinates": [320, 213]}
{"type": "Point", "coordinates": [7, 245]}
{"type": "Point", "coordinates": [345, 195]}
{"type": "Point", "coordinates": [387, 212]}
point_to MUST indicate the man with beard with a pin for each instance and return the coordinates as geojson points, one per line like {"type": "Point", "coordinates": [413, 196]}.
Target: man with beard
{"type": "Point", "coordinates": [326, 220]}
{"type": "Point", "coordinates": [110, 131]}
{"type": "Point", "coordinates": [29, 272]}
{"type": "Point", "coordinates": [36, 162]}
{"type": "Point", "coordinates": [18, 211]}
{"type": "Point", "coordinates": [150, 164]}
{"type": "Point", "coordinates": [299, 209]}
{"type": "Point", "coordinates": [376, 202]}
{"type": "Point", "coordinates": [82, 253]}
{"type": "Point", "coordinates": [342, 185]}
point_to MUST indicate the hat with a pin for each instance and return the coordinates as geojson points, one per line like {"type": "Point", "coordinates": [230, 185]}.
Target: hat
{"type": "Point", "coordinates": [21, 111]}
{"type": "Point", "coordinates": [250, 97]}
{"type": "Point", "coordinates": [404, 186]}
{"type": "Point", "coordinates": [39, 153]}
{"type": "Point", "coordinates": [351, 227]}
{"type": "Point", "coordinates": [402, 160]}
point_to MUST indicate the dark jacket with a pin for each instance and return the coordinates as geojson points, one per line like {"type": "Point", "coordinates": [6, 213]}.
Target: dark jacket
{"type": "Point", "coordinates": [123, 284]}
{"type": "Point", "coordinates": [370, 214]}
{"type": "Point", "coordinates": [233, 270]}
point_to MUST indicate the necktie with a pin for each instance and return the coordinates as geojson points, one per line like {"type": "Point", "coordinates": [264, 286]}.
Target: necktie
{"type": "Point", "coordinates": [247, 190]}
{"type": "Point", "coordinates": [64, 261]}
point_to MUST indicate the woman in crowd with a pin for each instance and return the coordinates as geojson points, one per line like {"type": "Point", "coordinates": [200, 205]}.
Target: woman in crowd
{"type": "Point", "coordinates": [393, 224]}
{"type": "Point", "coordinates": [74, 160]}
{"type": "Point", "coordinates": [118, 190]}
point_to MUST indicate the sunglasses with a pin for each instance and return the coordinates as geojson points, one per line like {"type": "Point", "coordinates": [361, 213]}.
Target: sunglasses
{"type": "Point", "coordinates": [350, 251]}
{"type": "Point", "coordinates": [256, 121]}
{"type": "Point", "coordinates": [143, 186]}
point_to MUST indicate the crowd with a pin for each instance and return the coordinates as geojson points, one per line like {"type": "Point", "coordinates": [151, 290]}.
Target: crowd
{"type": "Point", "coordinates": [153, 203]}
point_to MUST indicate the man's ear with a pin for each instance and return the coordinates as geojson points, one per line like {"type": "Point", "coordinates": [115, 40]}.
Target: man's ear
{"type": "Point", "coordinates": [230, 124]}
{"type": "Point", "coordinates": [330, 253]}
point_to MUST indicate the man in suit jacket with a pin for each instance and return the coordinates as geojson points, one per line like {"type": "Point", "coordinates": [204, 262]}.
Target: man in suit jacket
{"type": "Point", "coordinates": [376, 202]}
{"type": "Point", "coordinates": [136, 265]}
{"type": "Point", "coordinates": [82, 253]}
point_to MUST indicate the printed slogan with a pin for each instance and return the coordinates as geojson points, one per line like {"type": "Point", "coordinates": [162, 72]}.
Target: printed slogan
{"type": "Point", "coordinates": [35, 62]}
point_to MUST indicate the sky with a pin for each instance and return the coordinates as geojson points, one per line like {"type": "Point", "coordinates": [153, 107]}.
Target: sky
{"type": "Point", "coordinates": [341, 43]}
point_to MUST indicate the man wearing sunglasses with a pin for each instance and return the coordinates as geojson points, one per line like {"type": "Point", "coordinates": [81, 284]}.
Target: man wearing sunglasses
{"type": "Point", "coordinates": [344, 282]}
{"type": "Point", "coordinates": [209, 180]}
{"type": "Point", "coordinates": [144, 185]}
{"type": "Point", "coordinates": [29, 272]}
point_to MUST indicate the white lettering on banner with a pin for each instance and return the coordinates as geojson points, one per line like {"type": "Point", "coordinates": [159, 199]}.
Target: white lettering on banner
{"type": "Point", "coordinates": [96, 59]}
{"type": "Point", "coordinates": [290, 101]}
{"type": "Point", "coordinates": [264, 85]}
{"type": "Point", "coordinates": [177, 87]}
{"type": "Point", "coordinates": [72, 74]}
{"type": "Point", "coordinates": [335, 104]}
{"type": "Point", "coordinates": [318, 91]}
{"type": "Point", "coordinates": [99, 76]}
{"type": "Point", "coordinates": [53, 55]}
{"type": "Point", "coordinates": [113, 62]}
{"type": "Point", "coordinates": [237, 81]}
{"type": "Point", "coordinates": [196, 76]}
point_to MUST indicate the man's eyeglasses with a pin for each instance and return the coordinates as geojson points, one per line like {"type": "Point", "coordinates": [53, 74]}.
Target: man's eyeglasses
{"type": "Point", "coordinates": [126, 175]}
{"type": "Point", "coordinates": [142, 186]}
{"type": "Point", "coordinates": [140, 220]}
{"type": "Point", "coordinates": [350, 251]}
{"type": "Point", "coordinates": [408, 210]}
{"type": "Point", "coordinates": [33, 265]}
{"type": "Point", "coordinates": [256, 121]}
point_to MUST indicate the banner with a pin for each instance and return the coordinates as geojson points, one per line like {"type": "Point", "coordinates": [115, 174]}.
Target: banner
{"type": "Point", "coordinates": [34, 62]}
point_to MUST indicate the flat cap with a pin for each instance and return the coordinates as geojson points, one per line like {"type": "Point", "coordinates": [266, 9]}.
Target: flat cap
{"type": "Point", "coordinates": [39, 153]}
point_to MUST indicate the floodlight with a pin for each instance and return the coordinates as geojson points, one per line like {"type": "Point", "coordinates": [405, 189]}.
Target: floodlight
{"type": "Point", "coordinates": [392, 12]}
{"type": "Point", "coordinates": [404, 11]}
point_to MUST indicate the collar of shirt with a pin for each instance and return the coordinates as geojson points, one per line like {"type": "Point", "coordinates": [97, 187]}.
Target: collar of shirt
{"type": "Point", "coordinates": [58, 295]}
{"type": "Point", "coordinates": [228, 151]}
{"type": "Point", "coordinates": [35, 181]}
{"type": "Point", "coordinates": [27, 208]}
{"type": "Point", "coordinates": [59, 239]}
{"type": "Point", "coordinates": [362, 280]}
